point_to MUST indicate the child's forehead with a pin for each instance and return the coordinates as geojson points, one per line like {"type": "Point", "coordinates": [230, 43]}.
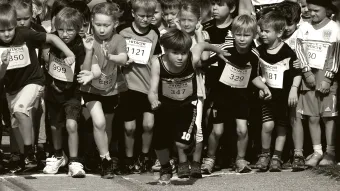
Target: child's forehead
{"type": "Point", "coordinates": [144, 11]}
{"type": "Point", "coordinates": [171, 10]}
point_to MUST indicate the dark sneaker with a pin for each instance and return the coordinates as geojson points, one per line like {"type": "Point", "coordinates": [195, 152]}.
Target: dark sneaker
{"type": "Point", "coordinates": [31, 160]}
{"type": "Point", "coordinates": [115, 165]}
{"type": "Point", "coordinates": [128, 169]}
{"type": "Point", "coordinates": [165, 175]}
{"type": "Point", "coordinates": [145, 164]}
{"type": "Point", "coordinates": [107, 170]}
{"type": "Point", "coordinates": [16, 163]}
{"type": "Point", "coordinates": [298, 163]}
{"type": "Point", "coordinates": [195, 171]}
{"type": "Point", "coordinates": [183, 170]}
{"type": "Point", "coordinates": [263, 162]}
{"type": "Point", "coordinates": [275, 165]}
{"type": "Point", "coordinates": [2, 168]}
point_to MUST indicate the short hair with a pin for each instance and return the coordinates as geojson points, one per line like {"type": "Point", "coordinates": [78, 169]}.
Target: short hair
{"type": "Point", "coordinates": [8, 16]}
{"type": "Point", "coordinates": [291, 11]}
{"type": "Point", "coordinates": [58, 6]}
{"type": "Point", "coordinates": [109, 9]}
{"type": "Point", "coordinates": [244, 23]}
{"type": "Point", "coordinates": [176, 39]}
{"type": "Point", "coordinates": [22, 4]}
{"type": "Point", "coordinates": [273, 19]}
{"type": "Point", "coordinates": [229, 3]}
{"type": "Point", "coordinates": [192, 7]}
{"type": "Point", "coordinates": [148, 5]}
{"type": "Point", "coordinates": [170, 4]}
{"type": "Point", "coordinates": [82, 7]}
{"type": "Point", "coordinates": [70, 17]}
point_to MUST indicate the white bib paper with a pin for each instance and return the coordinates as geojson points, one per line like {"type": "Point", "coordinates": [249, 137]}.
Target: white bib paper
{"type": "Point", "coordinates": [274, 73]}
{"type": "Point", "coordinates": [235, 77]}
{"type": "Point", "coordinates": [19, 57]}
{"type": "Point", "coordinates": [59, 70]}
{"type": "Point", "coordinates": [316, 54]}
{"type": "Point", "coordinates": [138, 51]}
{"type": "Point", "coordinates": [177, 90]}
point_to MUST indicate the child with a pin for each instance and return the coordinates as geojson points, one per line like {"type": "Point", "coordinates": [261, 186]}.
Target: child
{"type": "Point", "coordinates": [205, 10]}
{"type": "Point", "coordinates": [142, 46]}
{"type": "Point", "coordinates": [21, 71]}
{"type": "Point", "coordinates": [62, 94]}
{"type": "Point", "coordinates": [158, 19]}
{"type": "Point", "coordinates": [319, 39]}
{"type": "Point", "coordinates": [283, 81]}
{"type": "Point", "coordinates": [82, 7]}
{"type": "Point", "coordinates": [305, 14]}
{"type": "Point", "coordinates": [170, 9]}
{"type": "Point", "coordinates": [173, 92]}
{"type": "Point", "coordinates": [101, 96]}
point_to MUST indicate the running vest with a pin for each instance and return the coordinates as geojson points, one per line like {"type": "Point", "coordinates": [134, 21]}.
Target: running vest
{"type": "Point", "coordinates": [177, 88]}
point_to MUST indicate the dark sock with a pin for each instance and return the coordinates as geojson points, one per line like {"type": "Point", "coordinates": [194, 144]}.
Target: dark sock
{"type": "Point", "coordinates": [265, 151]}
{"type": "Point", "coordinates": [144, 155]}
{"type": "Point", "coordinates": [73, 159]}
{"type": "Point", "coordinates": [58, 153]}
{"type": "Point", "coordinates": [166, 165]}
{"type": "Point", "coordinates": [277, 153]}
{"type": "Point", "coordinates": [129, 160]}
{"type": "Point", "coordinates": [28, 149]}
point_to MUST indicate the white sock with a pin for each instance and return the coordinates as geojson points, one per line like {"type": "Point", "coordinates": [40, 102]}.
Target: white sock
{"type": "Point", "coordinates": [107, 156]}
{"type": "Point", "coordinates": [318, 149]}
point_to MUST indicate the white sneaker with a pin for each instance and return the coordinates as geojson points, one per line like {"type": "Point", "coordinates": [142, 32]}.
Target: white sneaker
{"type": "Point", "coordinates": [53, 164]}
{"type": "Point", "coordinates": [76, 170]}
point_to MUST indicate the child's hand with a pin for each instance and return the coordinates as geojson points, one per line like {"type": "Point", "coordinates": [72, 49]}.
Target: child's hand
{"type": "Point", "coordinates": [88, 42]}
{"type": "Point", "coordinates": [293, 97]}
{"type": "Point", "coordinates": [265, 94]}
{"type": "Point", "coordinates": [310, 81]}
{"type": "Point", "coordinates": [297, 64]}
{"type": "Point", "coordinates": [84, 77]}
{"type": "Point", "coordinates": [223, 54]}
{"type": "Point", "coordinates": [5, 56]}
{"type": "Point", "coordinates": [70, 60]}
{"type": "Point", "coordinates": [324, 87]}
{"type": "Point", "coordinates": [178, 25]}
{"type": "Point", "coordinates": [129, 63]}
{"type": "Point", "coordinates": [155, 105]}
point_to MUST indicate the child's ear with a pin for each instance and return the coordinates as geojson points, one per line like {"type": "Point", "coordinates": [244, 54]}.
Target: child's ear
{"type": "Point", "coordinates": [280, 33]}
{"type": "Point", "coordinates": [133, 13]}
{"type": "Point", "coordinates": [115, 24]}
{"type": "Point", "coordinates": [232, 10]}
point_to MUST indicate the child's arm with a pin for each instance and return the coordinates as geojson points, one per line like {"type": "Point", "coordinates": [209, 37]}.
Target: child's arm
{"type": "Point", "coordinates": [201, 38]}
{"type": "Point", "coordinates": [264, 90]}
{"type": "Point", "coordinates": [153, 91]}
{"type": "Point", "coordinates": [85, 76]}
{"type": "Point", "coordinates": [198, 49]}
{"type": "Point", "coordinates": [293, 93]}
{"type": "Point", "coordinates": [120, 59]}
{"type": "Point", "coordinates": [88, 44]}
{"type": "Point", "coordinates": [57, 42]}
{"type": "Point", "coordinates": [5, 61]}
{"type": "Point", "coordinates": [245, 7]}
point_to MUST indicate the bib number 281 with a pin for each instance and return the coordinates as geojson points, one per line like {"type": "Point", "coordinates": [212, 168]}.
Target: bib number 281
{"type": "Point", "coordinates": [186, 136]}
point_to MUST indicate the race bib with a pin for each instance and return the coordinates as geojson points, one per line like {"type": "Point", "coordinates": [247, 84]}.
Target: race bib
{"type": "Point", "coordinates": [179, 90]}
{"type": "Point", "coordinates": [274, 73]}
{"type": "Point", "coordinates": [19, 57]}
{"type": "Point", "coordinates": [316, 54]}
{"type": "Point", "coordinates": [138, 51]}
{"type": "Point", "coordinates": [104, 82]}
{"type": "Point", "coordinates": [59, 70]}
{"type": "Point", "coordinates": [235, 77]}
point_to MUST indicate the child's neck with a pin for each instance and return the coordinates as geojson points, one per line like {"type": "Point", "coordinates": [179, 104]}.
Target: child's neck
{"type": "Point", "coordinates": [224, 23]}
{"type": "Point", "coordinates": [321, 24]}
{"type": "Point", "coordinates": [140, 29]}
{"type": "Point", "coordinates": [275, 47]}
{"type": "Point", "coordinates": [242, 50]}
{"type": "Point", "coordinates": [161, 27]}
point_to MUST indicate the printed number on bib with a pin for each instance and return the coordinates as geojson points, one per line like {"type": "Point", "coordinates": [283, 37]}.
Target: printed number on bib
{"type": "Point", "coordinates": [316, 54]}
{"type": "Point", "coordinates": [104, 82]}
{"type": "Point", "coordinates": [177, 90]}
{"type": "Point", "coordinates": [274, 73]}
{"type": "Point", "coordinates": [186, 136]}
{"type": "Point", "coordinates": [19, 57]}
{"type": "Point", "coordinates": [138, 51]}
{"type": "Point", "coordinates": [59, 70]}
{"type": "Point", "coordinates": [235, 77]}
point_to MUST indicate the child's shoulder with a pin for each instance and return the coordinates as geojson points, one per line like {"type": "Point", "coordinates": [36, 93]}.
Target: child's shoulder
{"type": "Point", "coordinates": [209, 24]}
{"type": "Point", "coordinates": [123, 26]}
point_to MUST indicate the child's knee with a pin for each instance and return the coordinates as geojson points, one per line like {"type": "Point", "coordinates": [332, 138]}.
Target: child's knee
{"type": "Point", "coordinates": [217, 132]}
{"type": "Point", "coordinates": [268, 126]}
{"type": "Point", "coordinates": [71, 126]}
{"type": "Point", "coordinates": [20, 115]}
{"type": "Point", "coordinates": [130, 130]}
{"type": "Point", "coordinates": [242, 131]}
{"type": "Point", "coordinates": [100, 125]}
{"type": "Point", "coordinates": [148, 127]}
{"type": "Point", "coordinates": [314, 120]}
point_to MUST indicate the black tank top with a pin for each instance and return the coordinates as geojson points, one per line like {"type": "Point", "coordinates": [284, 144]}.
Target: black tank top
{"type": "Point", "coordinates": [177, 88]}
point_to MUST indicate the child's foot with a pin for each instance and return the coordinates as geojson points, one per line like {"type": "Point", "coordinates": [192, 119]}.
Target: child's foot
{"type": "Point", "coordinates": [208, 165]}
{"type": "Point", "coordinates": [157, 166]}
{"type": "Point", "coordinates": [16, 163]}
{"type": "Point", "coordinates": [298, 163]}
{"type": "Point", "coordinates": [195, 171]}
{"type": "Point", "coordinates": [275, 165]}
{"type": "Point", "coordinates": [165, 176]}
{"type": "Point", "coordinates": [183, 170]}
{"type": "Point", "coordinates": [327, 160]}
{"type": "Point", "coordinates": [263, 162]}
{"type": "Point", "coordinates": [242, 166]}
{"type": "Point", "coordinates": [145, 163]}
{"type": "Point", "coordinates": [53, 164]}
{"type": "Point", "coordinates": [107, 171]}
{"type": "Point", "coordinates": [313, 159]}
{"type": "Point", "coordinates": [76, 170]}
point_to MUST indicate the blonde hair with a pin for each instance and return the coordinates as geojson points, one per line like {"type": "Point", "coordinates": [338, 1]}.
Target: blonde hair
{"type": "Point", "coordinates": [109, 9]}
{"type": "Point", "coordinates": [69, 17]}
{"type": "Point", "coordinates": [148, 5]}
{"type": "Point", "coordinates": [244, 23]}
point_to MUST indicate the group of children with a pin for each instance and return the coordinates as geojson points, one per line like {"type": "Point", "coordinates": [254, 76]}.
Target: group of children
{"type": "Point", "coordinates": [175, 67]}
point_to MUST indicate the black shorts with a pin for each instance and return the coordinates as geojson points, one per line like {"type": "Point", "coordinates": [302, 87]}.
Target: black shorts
{"type": "Point", "coordinates": [275, 111]}
{"type": "Point", "coordinates": [58, 113]}
{"type": "Point", "coordinates": [133, 104]}
{"type": "Point", "coordinates": [174, 124]}
{"type": "Point", "coordinates": [109, 103]}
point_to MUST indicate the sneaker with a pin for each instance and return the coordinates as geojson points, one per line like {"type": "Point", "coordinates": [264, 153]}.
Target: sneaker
{"type": "Point", "coordinates": [53, 164]}
{"type": "Point", "coordinates": [195, 171]}
{"type": "Point", "coordinates": [208, 165]}
{"type": "Point", "coordinates": [263, 162]}
{"type": "Point", "coordinates": [298, 163]}
{"type": "Point", "coordinates": [107, 170]}
{"type": "Point", "coordinates": [327, 160]}
{"type": "Point", "coordinates": [31, 160]}
{"type": "Point", "coordinates": [183, 170]}
{"type": "Point", "coordinates": [128, 169]}
{"type": "Point", "coordinates": [242, 166]}
{"type": "Point", "coordinates": [165, 176]}
{"type": "Point", "coordinates": [115, 165]}
{"type": "Point", "coordinates": [275, 165]}
{"type": "Point", "coordinates": [287, 165]}
{"type": "Point", "coordinates": [76, 170]}
{"type": "Point", "coordinates": [313, 159]}
{"type": "Point", "coordinates": [157, 166]}
{"type": "Point", "coordinates": [145, 164]}
{"type": "Point", "coordinates": [16, 163]}
{"type": "Point", "coordinates": [173, 164]}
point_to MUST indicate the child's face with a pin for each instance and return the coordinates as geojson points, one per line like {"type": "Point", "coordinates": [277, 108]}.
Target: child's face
{"type": "Point", "coordinates": [177, 58]}
{"type": "Point", "coordinates": [24, 17]}
{"type": "Point", "coordinates": [169, 16]}
{"type": "Point", "coordinates": [157, 18]}
{"type": "Point", "coordinates": [269, 35]}
{"type": "Point", "coordinates": [290, 29]}
{"type": "Point", "coordinates": [103, 26]}
{"type": "Point", "coordinates": [84, 29]}
{"type": "Point", "coordinates": [221, 11]}
{"type": "Point", "coordinates": [66, 33]}
{"type": "Point", "coordinates": [243, 39]}
{"type": "Point", "coordinates": [188, 21]}
{"type": "Point", "coordinates": [143, 17]}
{"type": "Point", "coordinates": [7, 34]}
{"type": "Point", "coordinates": [317, 13]}
{"type": "Point", "coordinates": [304, 9]}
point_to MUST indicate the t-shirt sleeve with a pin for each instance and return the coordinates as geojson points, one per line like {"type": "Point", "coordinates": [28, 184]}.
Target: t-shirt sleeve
{"type": "Point", "coordinates": [35, 39]}
{"type": "Point", "coordinates": [120, 45]}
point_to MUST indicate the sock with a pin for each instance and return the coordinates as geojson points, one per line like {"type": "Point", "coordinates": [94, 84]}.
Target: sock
{"type": "Point", "coordinates": [330, 149]}
{"type": "Point", "coordinates": [265, 151]}
{"type": "Point", "coordinates": [212, 157]}
{"type": "Point", "coordinates": [73, 159]}
{"type": "Point", "coordinates": [167, 165]}
{"type": "Point", "coordinates": [129, 160]}
{"type": "Point", "coordinates": [58, 153]}
{"type": "Point", "coordinates": [144, 155]}
{"type": "Point", "coordinates": [318, 149]}
{"type": "Point", "coordinates": [298, 152]}
{"type": "Point", "coordinates": [105, 156]}
{"type": "Point", "coordinates": [277, 154]}
{"type": "Point", "coordinates": [28, 149]}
